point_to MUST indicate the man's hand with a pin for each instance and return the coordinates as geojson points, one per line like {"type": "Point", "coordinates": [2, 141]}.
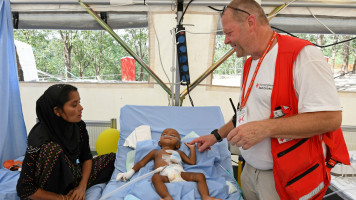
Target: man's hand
{"type": "Point", "coordinates": [248, 134]}
{"type": "Point", "coordinates": [204, 142]}
{"type": "Point", "coordinates": [125, 176]}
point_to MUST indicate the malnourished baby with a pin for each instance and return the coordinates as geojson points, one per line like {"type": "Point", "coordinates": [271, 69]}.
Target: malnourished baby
{"type": "Point", "coordinates": [170, 157]}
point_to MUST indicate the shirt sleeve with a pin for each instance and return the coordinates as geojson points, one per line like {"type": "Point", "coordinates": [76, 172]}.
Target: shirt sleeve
{"type": "Point", "coordinates": [26, 185]}
{"type": "Point", "coordinates": [85, 153]}
{"type": "Point", "coordinates": [314, 82]}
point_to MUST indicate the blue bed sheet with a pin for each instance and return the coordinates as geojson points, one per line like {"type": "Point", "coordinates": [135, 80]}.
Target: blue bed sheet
{"type": "Point", "coordinates": [214, 164]}
{"type": "Point", "coordinates": [8, 182]}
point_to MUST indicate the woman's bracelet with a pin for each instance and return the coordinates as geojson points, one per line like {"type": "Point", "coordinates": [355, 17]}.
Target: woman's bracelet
{"type": "Point", "coordinates": [64, 196]}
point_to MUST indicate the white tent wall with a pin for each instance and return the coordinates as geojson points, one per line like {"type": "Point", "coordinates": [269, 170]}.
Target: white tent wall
{"type": "Point", "coordinates": [103, 101]}
{"type": "Point", "coordinates": [200, 46]}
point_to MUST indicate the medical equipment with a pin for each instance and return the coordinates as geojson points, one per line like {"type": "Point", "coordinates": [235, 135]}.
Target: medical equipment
{"type": "Point", "coordinates": [159, 169]}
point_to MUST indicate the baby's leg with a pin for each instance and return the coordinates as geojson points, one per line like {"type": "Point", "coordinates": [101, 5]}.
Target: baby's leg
{"type": "Point", "coordinates": [200, 179]}
{"type": "Point", "coordinates": [158, 181]}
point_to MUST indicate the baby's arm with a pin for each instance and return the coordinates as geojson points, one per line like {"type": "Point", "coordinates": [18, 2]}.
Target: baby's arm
{"type": "Point", "coordinates": [193, 157]}
{"type": "Point", "coordinates": [127, 175]}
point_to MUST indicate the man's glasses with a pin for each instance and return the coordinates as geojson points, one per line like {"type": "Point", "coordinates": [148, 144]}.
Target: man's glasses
{"type": "Point", "coordinates": [237, 9]}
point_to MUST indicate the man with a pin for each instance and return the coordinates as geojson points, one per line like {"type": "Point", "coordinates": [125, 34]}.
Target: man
{"type": "Point", "coordinates": [288, 104]}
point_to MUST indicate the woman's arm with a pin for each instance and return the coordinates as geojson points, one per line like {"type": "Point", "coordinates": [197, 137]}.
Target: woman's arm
{"type": "Point", "coordinates": [41, 194]}
{"type": "Point", "coordinates": [79, 191]}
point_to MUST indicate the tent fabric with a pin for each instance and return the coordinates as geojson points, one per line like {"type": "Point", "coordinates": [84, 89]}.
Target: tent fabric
{"type": "Point", "coordinates": [12, 126]}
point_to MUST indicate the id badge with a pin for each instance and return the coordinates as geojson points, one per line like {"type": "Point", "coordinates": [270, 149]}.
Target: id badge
{"type": "Point", "coordinates": [241, 116]}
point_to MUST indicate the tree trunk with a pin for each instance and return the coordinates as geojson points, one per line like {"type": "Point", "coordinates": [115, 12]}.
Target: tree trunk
{"type": "Point", "coordinates": [66, 39]}
{"type": "Point", "coordinates": [354, 66]}
{"type": "Point", "coordinates": [333, 53]}
{"type": "Point", "coordinates": [19, 67]}
{"type": "Point", "coordinates": [319, 41]}
{"type": "Point", "coordinates": [345, 60]}
{"type": "Point", "coordinates": [98, 66]}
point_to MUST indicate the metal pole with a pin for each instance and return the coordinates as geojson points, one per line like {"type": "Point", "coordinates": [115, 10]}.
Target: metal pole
{"type": "Point", "coordinates": [207, 73]}
{"type": "Point", "coordinates": [122, 43]}
{"type": "Point", "coordinates": [177, 85]}
{"type": "Point", "coordinates": [113, 123]}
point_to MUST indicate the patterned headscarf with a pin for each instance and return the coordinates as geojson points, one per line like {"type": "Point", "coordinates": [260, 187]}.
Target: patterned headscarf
{"type": "Point", "coordinates": [51, 127]}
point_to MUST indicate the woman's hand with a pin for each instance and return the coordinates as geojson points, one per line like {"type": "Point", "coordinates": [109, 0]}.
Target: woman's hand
{"type": "Point", "coordinates": [77, 193]}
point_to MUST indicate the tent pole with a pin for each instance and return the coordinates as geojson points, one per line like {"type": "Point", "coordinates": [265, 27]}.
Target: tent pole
{"type": "Point", "coordinates": [122, 43]}
{"type": "Point", "coordinates": [207, 73]}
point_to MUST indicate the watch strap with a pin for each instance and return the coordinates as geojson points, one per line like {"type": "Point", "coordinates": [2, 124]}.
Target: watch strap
{"type": "Point", "coordinates": [216, 134]}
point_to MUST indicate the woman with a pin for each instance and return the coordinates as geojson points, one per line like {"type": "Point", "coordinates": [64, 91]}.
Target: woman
{"type": "Point", "coordinates": [58, 163]}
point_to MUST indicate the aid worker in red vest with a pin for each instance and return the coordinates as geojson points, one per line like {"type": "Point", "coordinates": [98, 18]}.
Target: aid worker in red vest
{"type": "Point", "coordinates": [287, 125]}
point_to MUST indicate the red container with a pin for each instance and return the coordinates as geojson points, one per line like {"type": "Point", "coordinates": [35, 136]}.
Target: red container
{"type": "Point", "coordinates": [128, 71]}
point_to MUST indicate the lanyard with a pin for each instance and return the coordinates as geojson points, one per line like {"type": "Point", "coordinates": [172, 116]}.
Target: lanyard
{"type": "Point", "coordinates": [243, 97]}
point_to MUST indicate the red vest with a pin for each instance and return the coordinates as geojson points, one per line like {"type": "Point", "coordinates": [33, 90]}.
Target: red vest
{"type": "Point", "coordinates": [299, 167]}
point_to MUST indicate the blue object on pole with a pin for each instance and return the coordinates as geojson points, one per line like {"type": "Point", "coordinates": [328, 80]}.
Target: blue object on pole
{"type": "Point", "coordinates": [12, 126]}
{"type": "Point", "coordinates": [182, 55]}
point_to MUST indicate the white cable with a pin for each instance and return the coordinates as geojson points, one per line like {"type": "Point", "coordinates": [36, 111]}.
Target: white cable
{"type": "Point", "coordinates": [159, 169]}
{"type": "Point", "coordinates": [337, 191]}
{"type": "Point", "coordinates": [159, 51]}
{"type": "Point", "coordinates": [327, 27]}
{"type": "Point", "coordinates": [199, 32]}
{"type": "Point", "coordinates": [159, 48]}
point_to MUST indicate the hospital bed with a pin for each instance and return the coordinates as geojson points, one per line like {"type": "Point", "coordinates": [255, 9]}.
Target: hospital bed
{"type": "Point", "coordinates": [190, 122]}
{"type": "Point", "coordinates": [8, 181]}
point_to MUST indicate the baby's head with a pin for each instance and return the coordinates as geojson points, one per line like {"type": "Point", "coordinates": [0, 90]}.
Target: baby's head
{"type": "Point", "coordinates": [170, 136]}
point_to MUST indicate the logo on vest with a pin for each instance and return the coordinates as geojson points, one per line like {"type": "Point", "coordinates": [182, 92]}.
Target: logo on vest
{"type": "Point", "coordinates": [283, 140]}
{"type": "Point", "coordinates": [264, 86]}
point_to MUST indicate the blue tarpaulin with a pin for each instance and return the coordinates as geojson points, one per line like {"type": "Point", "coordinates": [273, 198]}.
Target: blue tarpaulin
{"type": "Point", "coordinates": [13, 133]}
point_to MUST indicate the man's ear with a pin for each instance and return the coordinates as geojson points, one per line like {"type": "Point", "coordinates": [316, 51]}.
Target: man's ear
{"type": "Point", "coordinates": [159, 143]}
{"type": "Point", "coordinates": [56, 111]}
{"type": "Point", "coordinates": [251, 20]}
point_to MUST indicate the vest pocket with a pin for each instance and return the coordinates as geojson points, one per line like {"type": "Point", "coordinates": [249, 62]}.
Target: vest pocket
{"type": "Point", "coordinates": [284, 152]}
{"type": "Point", "coordinates": [306, 184]}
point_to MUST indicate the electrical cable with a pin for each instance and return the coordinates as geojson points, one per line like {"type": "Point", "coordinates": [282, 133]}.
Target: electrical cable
{"type": "Point", "coordinates": [190, 98]}
{"type": "Point", "coordinates": [327, 28]}
{"type": "Point", "coordinates": [180, 21]}
{"type": "Point", "coordinates": [159, 53]}
{"type": "Point", "coordinates": [215, 9]}
{"type": "Point", "coordinates": [338, 191]}
{"type": "Point", "coordinates": [321, 46]}
{"type": "Point", "coordinates": [159, 49]}
{"type": "Point", "coordinates": [232, 176]}
{"type": "Point", "coordinates": [159, 169]}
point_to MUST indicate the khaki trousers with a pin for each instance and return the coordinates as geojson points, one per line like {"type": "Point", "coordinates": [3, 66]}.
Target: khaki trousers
{"type": "Point", "coordinates": [258, 184]}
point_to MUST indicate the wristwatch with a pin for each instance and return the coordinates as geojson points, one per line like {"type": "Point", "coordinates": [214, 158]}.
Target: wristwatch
{"type": "Point", "coordinates": [216, 134]}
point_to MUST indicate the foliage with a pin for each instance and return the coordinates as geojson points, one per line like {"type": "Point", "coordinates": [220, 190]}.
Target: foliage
{"type": "Point", "coordinates": [93, 55]}
{"type": "Point", "coordinates": [97, 55]}
{"type": "Point", "coordinates": [234, 65]}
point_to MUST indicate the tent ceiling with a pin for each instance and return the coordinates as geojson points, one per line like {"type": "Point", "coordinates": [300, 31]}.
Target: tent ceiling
{"type": "Point", "coordinates": [301, 16]}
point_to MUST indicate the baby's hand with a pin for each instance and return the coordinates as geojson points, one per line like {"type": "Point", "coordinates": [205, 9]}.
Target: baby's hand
{"type": "Point", "coordinates": [125, 176]}
{"type": "Point", "coordinates": [190, 146]}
